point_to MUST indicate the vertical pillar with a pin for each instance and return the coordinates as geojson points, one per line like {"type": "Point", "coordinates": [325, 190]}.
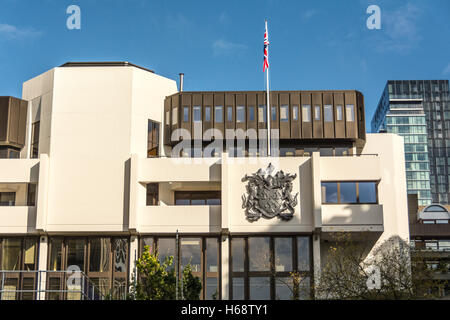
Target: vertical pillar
{"type": "Point", "coordinates": [134, 255]}
{"type": "Point", "coordinates": [225, 239]}
{"type": "Point", "coordinates": [316, 259]}
{"type": "Point", "coordinates": [317, 214]}
{"type": "Point", "coordinates": [42, 192]}
{"type": "Point", "coordinates": [225, 276]}
{"type": "Point", "coordinates": [42, 266]}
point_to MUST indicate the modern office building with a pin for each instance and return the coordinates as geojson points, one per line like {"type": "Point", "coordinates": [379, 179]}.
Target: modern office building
{"type": "Point", "coordinates": [112, 157]}
{"type": "Point", "coordinates": [420, 112]}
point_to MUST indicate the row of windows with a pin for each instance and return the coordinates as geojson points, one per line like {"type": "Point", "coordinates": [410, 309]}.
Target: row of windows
{"type": "Point", "coordinates": [416, 156]}
{"type": "Point", "coordinates": [349, 192]}
{"type": "Point", "coordinates": [8, 199]}
{"type": "Point", "coordinates": [202, 253]}
{"type": "Point", "coordinates": [262, 113]}
{"type": "Point", "coordinates": [406, 120]}
{"type": "Point", "coordinates": [418, 185]}
{"type": "Point", "coordinates": [260, 267]}
{"type": "Point", "coordinates": [406, 129]}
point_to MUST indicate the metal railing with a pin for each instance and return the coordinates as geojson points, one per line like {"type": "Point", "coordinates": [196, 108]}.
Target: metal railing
{"type": "Point", "coordinates": [37, 285]}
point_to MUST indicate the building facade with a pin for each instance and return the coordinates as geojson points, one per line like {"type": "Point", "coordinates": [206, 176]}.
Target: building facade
{"type": "Point", "coordinates": [114, 158]}
{"type": "Point", "coordinates": [420, 112]}
{"type": "Point", "coordinates": [430, 237]}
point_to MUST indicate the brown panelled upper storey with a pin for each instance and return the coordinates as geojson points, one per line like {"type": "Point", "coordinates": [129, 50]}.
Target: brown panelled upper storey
{"type": "Point", "coordinates": [299, 115]}
{"type": "Point", "coordinates": [13, 117]}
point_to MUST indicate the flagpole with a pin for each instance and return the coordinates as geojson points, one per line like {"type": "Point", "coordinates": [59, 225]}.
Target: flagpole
{"type": "Point", "coordinates": [268, 102]}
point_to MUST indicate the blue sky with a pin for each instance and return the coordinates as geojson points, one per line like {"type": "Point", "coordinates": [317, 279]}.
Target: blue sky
{"type": "Point", "coordinates": [314, 45]}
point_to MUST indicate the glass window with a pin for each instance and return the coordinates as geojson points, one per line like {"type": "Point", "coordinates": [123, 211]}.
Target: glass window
{"type": "Point", "coordinates": [218, 114]}
{"type": "Point", "coordinates": [350, 112]}
{"type": "Point", "coordinates": [11, 251]}
{"type": "Point", "coordinates": [295, 113]}
{"type": "Point", "coordinates": [197, 114]}
{"type": "Point", "coordinates": [283, 288]}
{"type": "Point", "coordinates": [174, 115]}
{"type": "Point", "coordinates": [55, 254]}
{"type": "Point", "coordinates": [316, 113]}
{"type": "Point", "coordinates": [283, 254]}
{"type": "Point", "coordinates": [167, 118]}
{"type": "Point", "coordinates": [306, 113]}
{"type": "Point", "coordinates": [152, 139]}
{"type": "Point", "coordinates": [212, 255]}
{"type": "Point", "coordinates": [329, 192]}
{"type": "Point", "coordinates": [35, 140]}
{"type": "Point", "coordinates": [207, 113]}
{"type": "Point", "coordinates": [273, 113]}
{"type": "Point", "coordinates": [259, 288]}
{"type": "Point", "coordinates": [75, 253]}
{"type": "Point", "coordinates": [303, 254]}
{"type": "Point", "coordinates": [326, 152]}
{"type": "Point", "coordinates": [259, 253]}
{"type": "Point", "coordinates": [237, 254]}
{"type": "Point", "coordinates": [284, 113]}
{"type": "Point", "coordinates": [229, 113]}
{"type": "Point", "coordinates": [240, 114]}
{"type": "Point", "coordinates": [99, 254]}
{"type": "Point", "coordinates": [120, 248]}
{"type": "Point", "coordinates": [341, 151]}
{"type": "Point", "coordinates": [367, 192]}
{"type": "Point", "coordinates": [7, 199]}
{"type": "Point", "coordinates": [191, 252]}
{"type": "Point", "coordinates": [166, 248]}
{"type": "Point", "coordinates": [328, 113]}
{"type": "Point", "coordinates": [262, 114]}
{"type": "Point", "coordinates": [152, 194]}
{"type": "Point", "coordinates": [347, 192]}
{"type": "Point", "coordinates": [185, 114]}
{"type": "Point", "coordinates": [339, 112]}
{"type": "Point", "coordinates": [31, 195]}
{"type": "Point", "coordinates": [251, 113]}
{"type": "Point", "coordinates": [238, 289]}
{"type": "Point", "coordinates": [212, 288]}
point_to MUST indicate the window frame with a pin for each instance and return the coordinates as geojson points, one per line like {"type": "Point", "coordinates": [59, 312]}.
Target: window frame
{"type": "Point", "coordinates": [357, 193]}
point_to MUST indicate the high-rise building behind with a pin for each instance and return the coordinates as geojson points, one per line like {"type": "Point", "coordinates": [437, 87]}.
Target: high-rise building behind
{"type": "Point", "coordinates": [419, 110]}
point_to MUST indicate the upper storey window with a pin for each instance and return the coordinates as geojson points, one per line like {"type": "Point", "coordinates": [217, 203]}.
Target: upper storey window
{"type": "Point", "coordinates": [317, 113]}
{"type": "Point", "coordinates": [284, 113]}
{"type": "Point", "coordinates": [7, 198]}
{"type": "Point", "coordinates": [350, 112]}
{"type": "Point", "coordinates": [306, 113]}
{"type": "Point", "coordinates": [174, 115]}
{"type": "Point", "coordinates": [218, 114]}
{"type": "Point", "coordinates": [349, 192]}
{"type": "Point", "coordinates": [339, 113]}
{"type": "Point", "coordinates": [152, 139]}
{"type": "Point", "coordinates": [185, 114]}
{"type": "Point", "coordinates": [35, 140]}
{"type": "Point", "coordinates": [197, 114]}
{"type": "Point", "coordinates": [262, 114]}
{"type": "Point", "coordinates": [328, 113]}
{"type": "Point", "coordinates": [240, 114]}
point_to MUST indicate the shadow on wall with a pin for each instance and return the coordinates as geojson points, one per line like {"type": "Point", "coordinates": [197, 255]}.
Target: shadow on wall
{"type": "Point", "coordinates": [126, 194]}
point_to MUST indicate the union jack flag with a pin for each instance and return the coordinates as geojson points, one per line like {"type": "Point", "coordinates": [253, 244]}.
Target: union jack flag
{"type": "Point", "coordinates": [266, 50]}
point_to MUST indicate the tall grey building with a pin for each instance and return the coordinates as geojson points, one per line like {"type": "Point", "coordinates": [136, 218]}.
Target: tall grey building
{"type": "Point", "coordinates": [419, 110]}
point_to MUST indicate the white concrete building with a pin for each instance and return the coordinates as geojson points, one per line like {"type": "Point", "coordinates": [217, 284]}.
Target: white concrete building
{"type": "Point", "coordinates": [96, 181]}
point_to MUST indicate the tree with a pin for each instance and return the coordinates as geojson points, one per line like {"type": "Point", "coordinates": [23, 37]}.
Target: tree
{"type": "Point", "coordinates": [157, 281]}
{"type": "Point", "coordinates": [353, 271]}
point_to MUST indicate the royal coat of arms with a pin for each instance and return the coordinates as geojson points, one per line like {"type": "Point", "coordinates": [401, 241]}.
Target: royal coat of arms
{"type": "Point", "coordinates": [269, 195]}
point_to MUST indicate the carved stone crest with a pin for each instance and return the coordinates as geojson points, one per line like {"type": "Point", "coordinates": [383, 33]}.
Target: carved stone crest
{"type": "Point", "coordinates": [269, 195]}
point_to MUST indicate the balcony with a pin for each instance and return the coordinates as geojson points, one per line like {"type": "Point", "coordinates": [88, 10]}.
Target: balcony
{"type": "Point", "coordinates": [19, 170]}
{"type": "Point", "coordinates": [17, 219]}
{"type": "Point", "coordinates": [186, 219]}
{"type": "Point", "coordinates": [352, 218]}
